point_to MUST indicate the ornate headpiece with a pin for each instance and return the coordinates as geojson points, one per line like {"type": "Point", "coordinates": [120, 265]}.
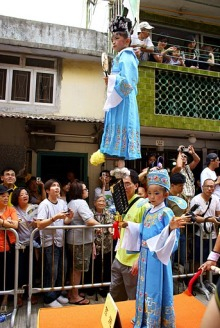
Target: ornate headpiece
{"type": "Point", "coordinates": [121, 24]}
{"type": "Point", "coordinates": [159, 177]}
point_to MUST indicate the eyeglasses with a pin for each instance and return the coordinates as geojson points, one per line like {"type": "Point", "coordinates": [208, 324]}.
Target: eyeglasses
{"type": "Point", "coordinates": [128, 184]}
{"type": "Point", "coordinates": [211, 187]}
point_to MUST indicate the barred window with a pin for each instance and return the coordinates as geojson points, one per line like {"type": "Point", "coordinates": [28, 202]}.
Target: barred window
{"type": "Point", "coordinates": [27, 79]}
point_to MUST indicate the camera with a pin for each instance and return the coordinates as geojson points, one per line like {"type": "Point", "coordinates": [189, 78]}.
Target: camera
{"type": "Point", "coordinates": [38, 179]}
{"type": "Point", "coordinates": [183, 149]}
{"type": "Point", "coordinates": [191, 212]}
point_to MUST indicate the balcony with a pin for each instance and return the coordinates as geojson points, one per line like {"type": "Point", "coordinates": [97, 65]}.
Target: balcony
{"type": "Point", "coordinates": [178, 97]}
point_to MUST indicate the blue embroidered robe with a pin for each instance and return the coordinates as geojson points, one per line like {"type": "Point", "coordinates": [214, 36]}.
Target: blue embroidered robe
{"type": "Point", "coordinates": [154, 298]}
{"type": "Point", "coordinates": [121, 137]}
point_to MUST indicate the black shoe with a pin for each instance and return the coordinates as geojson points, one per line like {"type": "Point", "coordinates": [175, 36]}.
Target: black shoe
{"type": "Point", "coordinates": [91, 291]}
{"type": "Point", "coordinates": [102, 292]}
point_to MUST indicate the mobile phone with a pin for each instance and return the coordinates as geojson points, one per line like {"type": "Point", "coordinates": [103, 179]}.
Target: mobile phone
{"type": "Point", "coordinates": [67, 212]}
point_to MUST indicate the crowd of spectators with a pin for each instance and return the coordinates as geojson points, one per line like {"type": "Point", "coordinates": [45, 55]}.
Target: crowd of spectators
{"type": "Point", "coordinates": [186, 53]}
{"type": "Point", "coordinates": [41, 205]}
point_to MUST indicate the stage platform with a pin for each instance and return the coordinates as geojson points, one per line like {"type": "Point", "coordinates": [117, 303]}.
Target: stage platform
{"type": "Point", "coordinates": [188, 309]}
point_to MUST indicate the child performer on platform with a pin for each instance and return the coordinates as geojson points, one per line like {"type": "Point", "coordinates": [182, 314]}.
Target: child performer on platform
{"type": "Point", "coordinates": [121, 137]}
{"type": "Point", "coordinates": [158, 239]}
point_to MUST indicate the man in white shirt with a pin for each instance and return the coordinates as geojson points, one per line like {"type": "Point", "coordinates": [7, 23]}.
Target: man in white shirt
{"type": "Point", "coordinates": [143, 40]}
{"type": "Point", "coordinates": [212, 162]}
{"type": "Point", "coordinates": [209, 206]}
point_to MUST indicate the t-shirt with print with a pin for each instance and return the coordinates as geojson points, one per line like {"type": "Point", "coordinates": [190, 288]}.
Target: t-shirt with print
{"type": "Point", "coordinates": [189, 186]}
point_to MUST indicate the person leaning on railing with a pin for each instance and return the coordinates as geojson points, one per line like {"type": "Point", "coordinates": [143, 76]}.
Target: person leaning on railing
{"type": "Point", "coordinates": [27, 214]}
{"type": "Point", "coordinates": [53, 211]}
{"type": "Point", "coordinates": [206, 59]}
{"type": "Point", "coordinates": [159, 50]}
{"type": "Point", "coordinates": [191, 53]}
{"type": "Point", "coordinates": [80, 241]}
{"type": "Point", "coordinates": [8, 219]}
{"type": "Point", "coordinates": [103, 243]}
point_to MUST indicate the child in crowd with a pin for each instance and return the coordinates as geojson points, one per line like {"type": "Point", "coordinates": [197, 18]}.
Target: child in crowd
{"type": "Point", "coordinates": [121, 137]}
{"type": "Point", "coordinates": [158, 239]}
{"type": "Point", "coordinates": [173, 56]}
{"type": "Point", "coordinates": [142, 192]}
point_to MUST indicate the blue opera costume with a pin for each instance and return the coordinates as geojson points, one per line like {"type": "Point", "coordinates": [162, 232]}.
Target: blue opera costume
{"type": "Point", "coordinates": [154, 298]}
{"type": "Point", "coordinates": [121, 137]}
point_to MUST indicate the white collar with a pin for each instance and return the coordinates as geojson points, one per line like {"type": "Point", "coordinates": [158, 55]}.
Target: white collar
{"type": "Point", "coordinates": [156, 208]}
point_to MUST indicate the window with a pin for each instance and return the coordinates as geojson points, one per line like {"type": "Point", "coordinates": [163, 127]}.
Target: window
{"type": "Point", "coordinates": [20, 86]}
{"type": "Point", "coordinates": [44, 88]}
{"type": "Point", "coordinates": [5, 59]}
{"type": "Point", "coordinates": [3, 75]}
{"type": "Point", "coordinates": [30, 80]}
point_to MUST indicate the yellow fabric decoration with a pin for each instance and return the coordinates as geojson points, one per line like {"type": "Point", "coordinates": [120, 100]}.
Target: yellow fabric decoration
{"type": "Point", "coordinates": [97, 158]}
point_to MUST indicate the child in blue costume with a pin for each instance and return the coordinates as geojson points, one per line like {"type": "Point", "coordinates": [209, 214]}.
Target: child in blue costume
{"type": "Point", "coordinates": [121, 137]}
{"type": "Point", "coordinates": [158, 239]}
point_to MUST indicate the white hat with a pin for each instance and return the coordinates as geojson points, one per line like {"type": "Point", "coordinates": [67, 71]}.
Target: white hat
{"type": "Point", "coordinates": [145, 25]}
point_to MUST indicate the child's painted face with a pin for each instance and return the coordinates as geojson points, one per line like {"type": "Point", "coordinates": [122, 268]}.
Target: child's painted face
{"type": "Point", "coordinates": [156, 194]}
{"type": "Point", "coordinates": [119, 42]}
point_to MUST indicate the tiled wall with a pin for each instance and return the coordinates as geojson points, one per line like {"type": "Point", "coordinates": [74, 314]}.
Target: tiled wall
{"type": "Point", "coordinates": [146, 101]}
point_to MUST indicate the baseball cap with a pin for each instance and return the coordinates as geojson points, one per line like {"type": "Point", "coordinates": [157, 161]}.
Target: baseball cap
{"type": "Point", "coordinates": [4, 189]}
{"type": "Point", "coordinates": [211, 156]}
{"type": "Point", "coordinates": [145, 25]}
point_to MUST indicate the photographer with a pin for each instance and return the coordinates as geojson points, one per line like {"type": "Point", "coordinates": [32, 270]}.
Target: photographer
{"type": "Point", "coordinates": [186, 169]}
{"type": "Point", "coordinates": [153, 162]}
{"type": "Point", "coordinates": [105, 179]}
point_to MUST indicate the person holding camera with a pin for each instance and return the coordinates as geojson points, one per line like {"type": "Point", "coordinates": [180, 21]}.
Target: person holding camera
{"type": "Point", "coordinates": [105, 179]}
{"type": "Point", "coordinates": [172, 56]}
{"type": "Point", "coordinates": [36, 189]}
{"type": "Point", "coordinates": [209, 206]}
{"type": "Point", "coordinates": [183, 167]}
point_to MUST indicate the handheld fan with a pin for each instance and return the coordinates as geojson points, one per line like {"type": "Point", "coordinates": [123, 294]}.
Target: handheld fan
{"type": "Point", "coordinates": [105, 65]}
